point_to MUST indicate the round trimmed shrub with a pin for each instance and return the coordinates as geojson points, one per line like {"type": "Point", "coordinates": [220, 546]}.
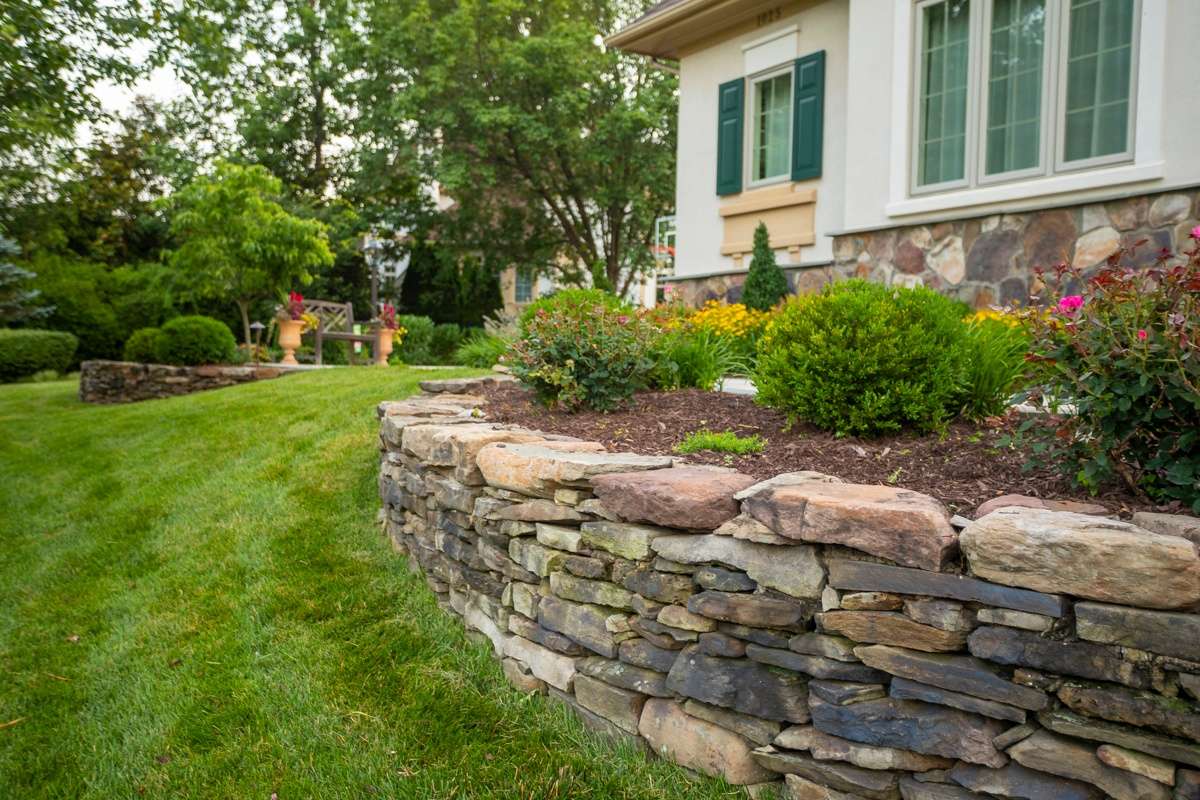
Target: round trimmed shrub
{"type": "Point", "coordinates": [143, 345]}
{"type": "Point", "coordinates": [865, 359]}
{"type": "Point", "coordinates": [195, 340]}
{"type": "Point", "coordinates": [573, 300]}
{"type": "Point", "coordinates": [25, 352]}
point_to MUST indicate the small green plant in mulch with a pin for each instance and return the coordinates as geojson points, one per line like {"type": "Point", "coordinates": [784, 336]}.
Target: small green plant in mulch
{"type": "Point", "coordinates": [724, 442]}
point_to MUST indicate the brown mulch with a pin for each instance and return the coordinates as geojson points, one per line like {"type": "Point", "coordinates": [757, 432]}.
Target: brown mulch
{"type": "Point", "coordinates": [963, 468]}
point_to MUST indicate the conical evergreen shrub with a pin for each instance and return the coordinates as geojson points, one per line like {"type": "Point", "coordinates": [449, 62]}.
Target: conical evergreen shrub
{"type": "Point", "coordinates": [766, 284]}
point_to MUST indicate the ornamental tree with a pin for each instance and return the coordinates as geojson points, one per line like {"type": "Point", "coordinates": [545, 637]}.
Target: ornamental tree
{"type": "Point", "coordinates": [766, 284]}
{"type": "Point", "coordinates": [17, 301]}
{"type": "Point", "coordinates": [238, 243]}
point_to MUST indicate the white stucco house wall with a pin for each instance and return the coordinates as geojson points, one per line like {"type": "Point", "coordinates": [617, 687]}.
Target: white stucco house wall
{"type": "Point", "coordinates": [954, 143]}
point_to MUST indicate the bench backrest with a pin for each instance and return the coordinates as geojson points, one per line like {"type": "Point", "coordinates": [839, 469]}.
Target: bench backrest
{"type": "Point", "coordinates": [333, 316]}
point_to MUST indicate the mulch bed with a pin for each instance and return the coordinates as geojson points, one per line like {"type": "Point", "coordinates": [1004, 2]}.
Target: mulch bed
{"type": "Point", "coordinates": [963, 468]}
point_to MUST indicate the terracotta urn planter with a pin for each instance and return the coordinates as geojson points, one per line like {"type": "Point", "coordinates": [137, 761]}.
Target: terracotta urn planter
{"type": "Point", "coordinates": [383, 345]}
{"type": "Point", "coordinates": [289, 339]}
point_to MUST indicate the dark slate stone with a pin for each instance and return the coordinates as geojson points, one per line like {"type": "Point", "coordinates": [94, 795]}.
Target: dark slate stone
{"type": "Point", "coordinates": [1167, 747]}
{"type": "Point", "coordinates": [767, 638]}
{"type": "Point", "coordinates": [816, 666]}
{"type": "Point", "coordinates": [912, 725]}
{"type": "Point", "coordinates": [744, 686]}
{"type": "Point", "coordinates": [991, 257]}
{"type": "Point", "coordinates": [1173, 717]}
{"type": "Point", "coordinates": [1049, 238]}
{"type": "Point", "coordinates": [1170, 633]}
{"type": "Point", "coordinates": [724, 580]}
{"type": "Point", "coordinates": [1015, 780]}
{"type": "Point", "coordinates": [872, 784]}
{"type": "Point", "coordinates": [625, 676]}
{"type": "Point", "coordinates": [956, 673]}
{"type": "Point", "coordinates": [1146, 254]}
{"type": "Point", "coordinates": [911, 789]}
{"type": "Point", "coordinates": [583, 567]}
{"type": "Point", "coordinates": [1187, 784]}
{"type": "Point", "coordinates": [460, 550]}
{"type": "Point", "coordinates": [646, 628]}
{"type": "Point", "coordinates": [641, 653]}
{"type": "Point", "coordinates": [843, 693]}
{"type": "Point", "coordinates": [546, 638]}
{"type": "Point", "coordinates": [664, 587]}
{"type": "Point", "coordinates": [747, 609]}
{"type": "Point", "coordinates": [863, 576]}
{"type": "Point", "coordinates": [1027, 649]}
{"type": "Point", "coordinates": [718, 644]}
{"type": "Point", "coordinates": [903, 689]}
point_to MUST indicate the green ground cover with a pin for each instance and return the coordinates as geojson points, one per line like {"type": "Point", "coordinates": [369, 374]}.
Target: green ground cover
{"type": "Point", "coordinates": [195, 601]}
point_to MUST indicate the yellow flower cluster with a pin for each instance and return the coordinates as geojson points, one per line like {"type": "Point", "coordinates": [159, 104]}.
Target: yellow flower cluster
{"type": "Point", "coordinates": [310, 321]}
{"type": "Point", "coordinates": [729, 319]}
{"type": "Point", "coordinates": [1010, 319]}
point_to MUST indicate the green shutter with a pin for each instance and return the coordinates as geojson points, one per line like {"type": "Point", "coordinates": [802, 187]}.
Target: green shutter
{"type": "Point", "coordinates": [730, 103]}
{"type": "Point", "coordinates": [808, 120]}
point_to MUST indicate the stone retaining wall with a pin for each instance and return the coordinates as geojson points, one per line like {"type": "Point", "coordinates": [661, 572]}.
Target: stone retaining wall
{"type": "Point", "coordinates": [128, 382]}
{"type": "Point", "coordinates": [836, 640]}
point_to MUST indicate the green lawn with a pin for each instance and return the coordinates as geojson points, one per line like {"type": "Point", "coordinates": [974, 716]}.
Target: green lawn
{"type": "Point", "coordinates": [195, 601]}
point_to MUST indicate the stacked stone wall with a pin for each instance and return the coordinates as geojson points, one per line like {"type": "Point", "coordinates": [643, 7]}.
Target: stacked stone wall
{"type": "Point", "coordinates": [986, 260]}
{"type": "Point", "coordinates": [833, 640]}
{"type": "Point", "coordinates": [128, 382]}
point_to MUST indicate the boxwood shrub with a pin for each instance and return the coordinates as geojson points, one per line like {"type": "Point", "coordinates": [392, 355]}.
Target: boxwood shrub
{"type": "Point", "coordinates": [864, 359]}
{"type": "Point", "coordinates": [25, 352]}
{"type": "Point", "coordinates": [143, 346]}
{"type": "Point", "coordinates": [194, 340]}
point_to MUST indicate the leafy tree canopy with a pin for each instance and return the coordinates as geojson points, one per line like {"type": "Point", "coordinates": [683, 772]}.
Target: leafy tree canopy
{"type": "Point", "coordinates": [238, 243]}
{"type": "Point", "coordinates": [556, 151]}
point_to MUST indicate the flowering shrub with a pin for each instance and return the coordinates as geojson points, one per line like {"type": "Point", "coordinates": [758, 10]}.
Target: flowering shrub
{"type": "Point", "coordinates": [861, 358]}
{"type": "Point", "coordinates": [573, 299]}
{"type": "Point", "coordinates": [294, 307]}
{"type": "Point", "coordinates": [579, 355]}
{"type": "Point", "coordinates": [740, 325]}
{"type": "Point", "coordinates": [1123, 349]}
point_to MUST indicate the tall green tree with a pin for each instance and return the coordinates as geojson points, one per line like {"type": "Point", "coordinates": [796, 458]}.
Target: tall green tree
{"type": "Point", "coordinates": [238, 243]}
{"type": "Point", "coordinates": [765, 284]}
{"type": "Point", "coordinates": [18, 301]}
{"type": "Point", "coordinates": [556, 151]}
{"type": "Point", "coordinates": [53, 53]}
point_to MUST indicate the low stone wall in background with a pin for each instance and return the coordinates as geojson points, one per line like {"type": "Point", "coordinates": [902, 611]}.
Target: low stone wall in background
{"type": "Point", "coordinates": [840, 641]}
{"type": "Point", "coordinates": [986, 260]}
{"type": "Point", "coordinates": [128, 382]}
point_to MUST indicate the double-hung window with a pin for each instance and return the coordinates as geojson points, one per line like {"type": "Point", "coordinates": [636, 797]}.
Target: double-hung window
{"type": "Point", "coordinates": [1010, 89]}
{"type": "Point", "coordinates": [771, 128]}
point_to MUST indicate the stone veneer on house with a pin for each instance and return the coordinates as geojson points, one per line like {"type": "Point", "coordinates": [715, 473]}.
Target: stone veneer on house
{"type": "Point", "coordinates": [842, 641]}
{"type": "Point", "coordinates": [985, 260]}
{"type": "Point", "coordinates": [128, 382]}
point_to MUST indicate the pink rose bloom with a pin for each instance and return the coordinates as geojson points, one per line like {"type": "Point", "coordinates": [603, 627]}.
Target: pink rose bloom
{"type": "Point", "coordinates": [1196, 232]}
{"type": "Point", "coordinates": [1070, 304]}
{"type": "Point", "coordinates": [1142, 335]}
{"type": "Point", "coordinates": [623, 320]}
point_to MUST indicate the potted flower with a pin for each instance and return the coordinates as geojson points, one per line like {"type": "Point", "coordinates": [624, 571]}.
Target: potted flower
{"type": "Point", "coordinates": [388, 335]}
{"type": "Point", "coordinates": [292, 323]}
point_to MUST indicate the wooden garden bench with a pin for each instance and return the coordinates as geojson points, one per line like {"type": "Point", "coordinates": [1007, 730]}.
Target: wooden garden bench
{"type": "Point", "coordinates": [335, 322]}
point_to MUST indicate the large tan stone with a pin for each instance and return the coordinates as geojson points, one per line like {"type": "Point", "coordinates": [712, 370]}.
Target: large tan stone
{"type": "Point", "coordinates": [888, 627]}
{"type": "Point", "coordinates": [826, 747]}
{"type": "Point", "coordinates": [1092, 248]}
{"type": "Point", "coordinates": [546, 665]}
{"type": "Point", "coordinates": [1068, 758]}
{"type": "Point", "coordinates": [907, 527]}
{"type": "Point", "coordinates": [698, 744]}
{"type": "Point", "coordinates": [431, 443]}
{"type": "Point", "coordinates": [539, 469]}
{"type": "Point", "coordinates": [1099, 559]}
{"type": "Point", "coordinates": [792, 570]}
{"type": "Point", "coordinates": [466, 441]}
{"type": "Point", "coordinates": [692, 498]}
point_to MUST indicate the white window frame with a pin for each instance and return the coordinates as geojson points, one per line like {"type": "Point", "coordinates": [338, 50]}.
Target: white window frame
{"type": "Point", "coordinates": [914, 154]}
{"type": "Point", "coordinates": [1050, 97]}
{"type": "Point", "coordinates": [1060, 143]}
{"type": "Point", "coordinates": [752, 82]}
{"type": "Point", "coordinates": [1053, 174]}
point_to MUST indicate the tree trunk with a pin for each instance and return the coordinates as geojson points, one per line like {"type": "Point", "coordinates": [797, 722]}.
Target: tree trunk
{"type": "Point", "coordinates": [244, 308]}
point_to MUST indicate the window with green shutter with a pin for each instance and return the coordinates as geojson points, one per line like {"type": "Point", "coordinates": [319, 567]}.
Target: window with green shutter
{"type": "Point", "coordinates": [729, 136]}
{"type": "Point", "coordinates": [808, 117]}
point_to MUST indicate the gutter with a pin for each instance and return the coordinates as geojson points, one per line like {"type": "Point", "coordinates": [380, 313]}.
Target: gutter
{"type": "Point", "coordinates": [649, 25]}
